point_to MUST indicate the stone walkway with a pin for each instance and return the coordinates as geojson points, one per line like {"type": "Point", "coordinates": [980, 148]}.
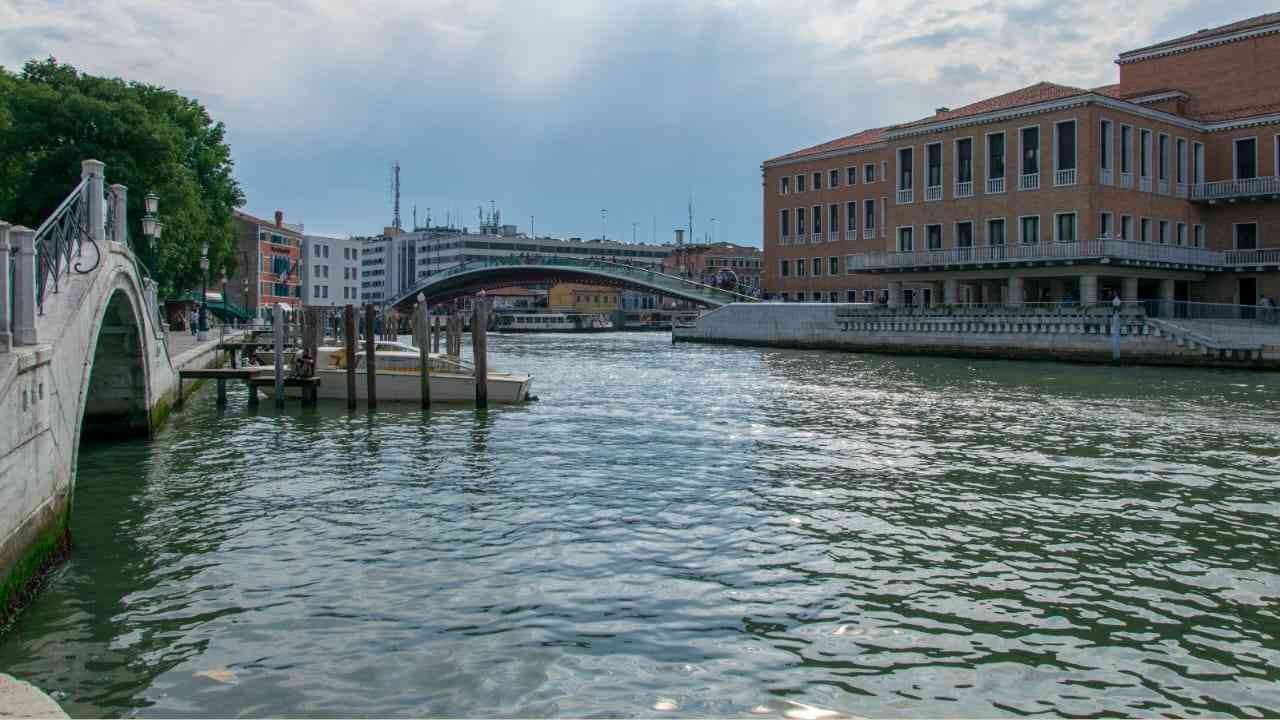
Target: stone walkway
{"type": "Point", "coordinates": [20, 699]}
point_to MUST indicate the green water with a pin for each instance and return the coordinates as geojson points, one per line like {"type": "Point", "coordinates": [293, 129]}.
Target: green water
{"type": "Point", "coordinates": [718, 528]}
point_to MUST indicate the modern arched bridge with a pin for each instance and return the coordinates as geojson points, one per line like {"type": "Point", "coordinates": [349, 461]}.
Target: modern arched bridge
{"type": "Point", "coordinates": [475, 275]}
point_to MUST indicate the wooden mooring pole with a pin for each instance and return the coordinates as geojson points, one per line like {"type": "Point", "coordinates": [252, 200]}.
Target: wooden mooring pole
{"type": "Point", "coordinates": [278, 332]}
{"type": "Point", "coordinates": [479, 349]}
{"type": "Point", "coordinates": [424, 359]}
{"type": "Point", "coordinates": [349, 341]}
{"type": "Point", "coordinates": [370, 363]}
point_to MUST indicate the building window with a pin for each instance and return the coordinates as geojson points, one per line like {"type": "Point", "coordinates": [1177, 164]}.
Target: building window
{"type": "Point", "coordinates": [1065, 225]}
{"type": "Point", "coordinates": [869, 223]}
{"type": "Point", "coordinates": [868, 296]}
{"type": "Point", "coordinates": [1029, 230]}
{"type": "Point", "coordinates": [784, 186]}
{"type": "Point", "coordinates": [817, 181]}
{"type": "Point", "coordinates": [800, 213]}
{"type": "Point", "coordinates": [906, 243]}
{"type": "Point", "coordinates": [833, 222]}
{"type": "Point", "coordinates": [964, 234]}
{"type": "Point", "coordinates": [1162, 158]}
{"type": "Point", "coordinates": [995, 156]}
{"type": "Point", "coordinates": [1065, 151]}
{"type": "Point", "coordinates": [869, 173]}
{"type": "Point", "coordinates": [1197, 162]}
{"type": "Point", "coordinates": [817, 219]}
{"type": "Point", "coordinates": [1164, 232]}
{"type": "Point", "coordinates": [1144, 227]}
{"type": "Point", "coordinates": [1246, 158]}
{"type": "Point", "coordinates": [833, 266]}
{"type": "Point", "coordinates": [933, 237]}
{"type": "Point", "coordinates": [833, 180]}
{"type": "Point", "coordinates": [1126, 227]}
{"type": "Point", "coordinates": [799, 297]}
{"type": "Point", "coordinates": [786, 223]}
{"type": "Point", "coordinates": [933, 167]}
{"type": "Point", "coordinates": [1030, 150]}
{"type": "Point", "coordinates": [995, 231]}
{"type": "Point", "coordinates": [785, 268]}
{"type": "Point", "coordinates": [904, 168]}
{"type": "Point", "coordinates": [817, 266]}
{"type": "Point", "coordinates": [1104, 145]}
{"type": "Point", "coordinates": [1104, 225]}
{"type": "Point", "coordinates": [1181, 238]}
{"type": "Point", "coordinates": [1197, 236]}
{"type": "Point", "coordinates": [851, 296]}
{"type": "Point", "coordinates": [1144, 153]}
{"type": "Point", "coordinates": [964, 167]}
{"type": "Point", "coordinates": [851, 175]}
{"type": "Point", "coordinates": [1180, 162]}
{"type": "Point", "coordinates": [800, 183]}
{"type": "Point", "coordinates": [1246, 236]}
{"type": "Point", "coordinates": [851, 216]}
{"type": "Point", "coordinates": [1126, 149]}
{"type": "Point", "coordinates": [884, 169]}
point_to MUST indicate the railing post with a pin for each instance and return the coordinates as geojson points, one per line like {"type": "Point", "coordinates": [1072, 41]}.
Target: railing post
{"type": "Point", "coordinates": [92, 170]}
{"type": "Point", "coordinates": [119, 197]}
{"type": "Point", "coordinates": [6, 335]}
{"type": "Point", "coordinates": [24, 286]}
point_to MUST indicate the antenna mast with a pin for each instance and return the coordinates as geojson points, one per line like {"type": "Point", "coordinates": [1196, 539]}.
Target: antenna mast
{"type": "Point", "coordinates": [395, 194]}
{"type": "Point", "coordinates": [691, 220]}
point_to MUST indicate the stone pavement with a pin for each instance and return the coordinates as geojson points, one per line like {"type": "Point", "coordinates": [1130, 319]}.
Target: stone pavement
{"type": "Point", "coordinates": [20, 699]}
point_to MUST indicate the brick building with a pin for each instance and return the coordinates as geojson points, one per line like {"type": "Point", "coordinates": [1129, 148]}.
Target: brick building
{"type": "Point", "coordinates": [699, 262]}
{"type": "Point", "coordinates": [269, 270]}
{"type": "Point", "coordinates": [1164, 185]}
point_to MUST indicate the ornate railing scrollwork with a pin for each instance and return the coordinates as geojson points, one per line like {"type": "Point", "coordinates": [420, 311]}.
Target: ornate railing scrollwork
{"type": "Point", "coordinates": [60, 242]}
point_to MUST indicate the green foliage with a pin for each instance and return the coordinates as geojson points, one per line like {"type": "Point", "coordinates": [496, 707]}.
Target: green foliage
{"type": "Point", "coordinates": [52, 117]}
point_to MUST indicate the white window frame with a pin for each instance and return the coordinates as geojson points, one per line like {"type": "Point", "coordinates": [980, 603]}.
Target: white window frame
{"type": "Point", "coordinates": [816, 180]}
{"type": "Point", "coordinates": [1125, 158]}
{"type": "Point", "coordinates": [1180, 234]}
{"type": "Point", "coordinates": [801, 267]}
{"type": "Point", "coordinates": [884, 170]}
{"type": "Point", "coordinates": [1197, 162]}
{"type": "Point", "coordinates": [869, 230]}
{"type": "Point", "coordinates": [852, 220]}
{"type": "Point", "coordinates": [796, 213]}
{"type": "Point", "coordinates": [1075, 225]}
{"type": "Point", "coordinates": [1107, 226]}
{"type": "Point", "coordinates": [1181, 156]}
{"type": "Point", "coordinates": [898, 236]}
{"type": "Point", "coordinates": [784, 187]}
{"type": "Point", "coordinates": [784, 223]}
{"type": "Point", "coordinates": [884, 216]}
{"type": "Point", "coordinates": [1106, 160]}
{"type": "Point", "coordinates": [799, 180]}
{"type": "Point", "coordinates": [847, 182]}
{"type": "Point", "coordinates": [1235, 156]}
{"type": "Point", "coordinates": [1162, 232]}
{"type": "Point", "coordinates": [1235, 235]}
{"type": "Point", "coordinates": [837, 273]}
{"type": "Point", "coordinates": [1022, 240]}
{"type": "Point", "coordinates": [818, 263]}
{"type": "Point", "coordinates": [865, 167]}
{"type": "Point", "coordinates": [837, 184]}
{"type": "Point", "coordinates": [1145, 142]}
{"type": "Point", "coordinates": [986, 157]}
{"type": "Point", "coordinates": [1040, 150]}
{"type": "Point", "coordinates": [897, 179]}
{"type": "Point", "coordinates": [1197, 235]}
{"type": "Point", "coordinates": [986, 226]}
{"type": "Point", "coordinates": [955, 234]}
{"type": "Point", "coordinates": [836, 227]}
{"type": "Point", "coordinates": [942, 165]}
{"type": "Point", "coordinates": [1162, 158]}
{"type": "Point", "coordinates": [1124, 231]}
{"type": "Point", "coordinates": [784, 267]}
{"type": "Point", "coordinates": [955, 163]}
{"type": "Point", "coordinates": [1144, 229]}
{"type": "Point", "coordinates": [815, 222]}
{"type": "Point", "coordinates": [1075, 142]}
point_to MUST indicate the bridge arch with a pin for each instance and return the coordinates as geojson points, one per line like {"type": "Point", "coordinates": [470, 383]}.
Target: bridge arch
{"type": "Point", "coordinates": [471, 277]}
{"type": "Point", "coordinates": [116, 382]}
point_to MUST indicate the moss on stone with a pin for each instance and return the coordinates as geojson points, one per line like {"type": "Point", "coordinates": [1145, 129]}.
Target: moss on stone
{"type": "Point", "coordinates": [50, 547]}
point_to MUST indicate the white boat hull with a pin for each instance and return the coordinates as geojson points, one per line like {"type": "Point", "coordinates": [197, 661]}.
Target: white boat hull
{"type": "Point", "coordinates": [405, 386]}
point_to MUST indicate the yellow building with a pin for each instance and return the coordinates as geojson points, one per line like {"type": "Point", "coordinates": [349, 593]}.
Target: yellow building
{"type": "Point", "coordinates": [578, 298]}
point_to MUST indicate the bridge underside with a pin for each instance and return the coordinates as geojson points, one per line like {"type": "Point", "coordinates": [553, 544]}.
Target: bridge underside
{"type": "Point", "coordinates": [116, 399]}
{"type": "Point", "coordinates": [463, 284]}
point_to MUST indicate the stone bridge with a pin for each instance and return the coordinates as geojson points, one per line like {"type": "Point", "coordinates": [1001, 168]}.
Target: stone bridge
{"type": "Point", "coordinates": [82, 354]}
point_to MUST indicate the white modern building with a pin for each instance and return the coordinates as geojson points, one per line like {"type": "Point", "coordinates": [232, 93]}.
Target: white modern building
{"type": "Point", "coordinates": [331, 271]}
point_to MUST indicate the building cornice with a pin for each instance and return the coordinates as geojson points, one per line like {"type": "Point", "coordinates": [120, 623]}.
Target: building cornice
{"type": "Point", "coordinates": [857, 150]}
{"type": "Point", "coordinates": [989, 117]}
{"type": "Point", "coordinates": [1140, 55]}
{"type": "Point", "coordinates": [1248, 122]}
{"type": "Point", "coordinates": [1159, 97]}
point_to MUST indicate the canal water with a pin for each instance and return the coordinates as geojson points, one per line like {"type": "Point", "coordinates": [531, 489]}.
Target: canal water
{"type": "Point", "coordinates": [687, 530]}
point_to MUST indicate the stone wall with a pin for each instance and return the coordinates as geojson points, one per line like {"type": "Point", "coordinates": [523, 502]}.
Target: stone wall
{"type": "Point", "coordinates": [1076, 336]}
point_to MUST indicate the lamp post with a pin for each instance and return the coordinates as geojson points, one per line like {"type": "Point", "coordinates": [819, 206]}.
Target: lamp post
{"type": "Point", "coordinates": [204, 293]}
{"type": "Point", "coordinates": [151, 225]}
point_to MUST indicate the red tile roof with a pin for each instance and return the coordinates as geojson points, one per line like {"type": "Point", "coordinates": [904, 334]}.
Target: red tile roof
{"type": "Point", "coordinates": [1199, 35]}
{"type": "Point", "coordinates": [269, 223]}
{"type": "Point", "coordinates": [1030, 95]}
{"type": "Point", "coordinates": [1111, 91]}
{"type": "Point", "coordinates": [866, 137]}
{"type": "Point", "coordinates": [1241, 112]}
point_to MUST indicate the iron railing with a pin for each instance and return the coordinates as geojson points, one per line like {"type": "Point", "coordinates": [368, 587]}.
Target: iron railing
{"type": "Point", "coordinates": [60, 241]}
{"type": "Point", "coordinates": [1228, 189]}
{"type": "Point", "coordinates": [1259, 256]}
{"type": "Point", "coordinates": [1079, 250]}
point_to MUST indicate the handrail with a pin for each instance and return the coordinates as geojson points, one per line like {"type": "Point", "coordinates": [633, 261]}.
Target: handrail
{"type": "Point", "coordinates": [1081, 249]}
{"type": "Point", "coordinates": [61, 238]}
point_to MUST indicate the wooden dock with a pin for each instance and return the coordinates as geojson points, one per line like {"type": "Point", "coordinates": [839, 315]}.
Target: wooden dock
{"type": "Point", "coordinates": [254, 377]}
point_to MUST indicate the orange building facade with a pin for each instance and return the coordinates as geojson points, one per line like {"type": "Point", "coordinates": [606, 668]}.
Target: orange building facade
{"type": "Point", "coordinates": [1164, 186]}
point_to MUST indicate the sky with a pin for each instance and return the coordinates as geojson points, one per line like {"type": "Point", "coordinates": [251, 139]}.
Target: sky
{"type": "Point", "coordinates": [562, 110]}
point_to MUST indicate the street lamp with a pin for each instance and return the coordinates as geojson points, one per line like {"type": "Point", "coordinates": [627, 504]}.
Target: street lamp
{"type": "Point", "coordinates": [151, 225]}
{"type": "Point", "coordinates": [204, 292]}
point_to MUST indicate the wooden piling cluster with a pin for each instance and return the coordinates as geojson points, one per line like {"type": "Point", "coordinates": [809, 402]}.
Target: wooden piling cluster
{"type": "Point", "coordinates": [479, 348]}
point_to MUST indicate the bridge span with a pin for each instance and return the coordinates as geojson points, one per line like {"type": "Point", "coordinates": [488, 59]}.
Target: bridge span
{"type": "Point", "coordinates": [475, 275]}
{"type": "Point", "coordinates": [82, 354]}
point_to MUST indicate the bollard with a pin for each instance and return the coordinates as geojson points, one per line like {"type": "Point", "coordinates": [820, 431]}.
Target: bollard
{"type": "Point", "coordinates": [370, 359]}
{"type": "Point", "coordinates": [279, 330]}
{"type": "Point", "coordinates": [424, 359]}
{"type": "Point", "coordinates": [349, 341]}
{"type": "Point", "coordinates": [24, 285]}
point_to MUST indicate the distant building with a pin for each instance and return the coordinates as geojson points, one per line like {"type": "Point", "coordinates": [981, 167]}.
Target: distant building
{"type": "Point", "coordinates": [578, 298]}
{"type": "Point", "coordinates": [699, 262]}
{"type": "Point", "coordinates": [330, 271]}
{"type": "Point", "coordinates": [269, 264]}
{"type": "Point", "coordinates": [517, 299]}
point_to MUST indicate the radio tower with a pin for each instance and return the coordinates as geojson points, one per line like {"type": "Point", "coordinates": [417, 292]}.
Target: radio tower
{"type": "Point", "coordinates": [395, 194]}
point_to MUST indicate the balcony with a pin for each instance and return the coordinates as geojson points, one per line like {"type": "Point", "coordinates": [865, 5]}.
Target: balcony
{"type": "Point", "coordinates": [995, 186]}
{"type": "Point", "coordinates": [1126, 180]}
{"type": "Point", "coordinates": [1029, 181]}
{"type": "Point", "coordinates": [868, 232]}
{"type": "Point", "coordinates": [1064, 177]}
{"type": "Point", "coordinates": [1106, 177]}
{"type": "Point", "coordinates": [1232, 190]}
{"type": "Point", "coordinates": [906, 196]}
{"type": "Point", "coordinates": [964, 189]}
{"type": "Point", "coordinates": [833, 236]}
{"type": "Point", "coordinates": [932, 193]}
{"type": "Point", "coordinates": [1101, 249]}
{"type": "Point", "coordinates": [1180, 190]}
{"type": "Point", "coordinates": [850, 235]}
{"type": "Point", "coordinates": [784, 240]}
{"type": "Point", "coordinates": [1252, 258]}
{"type": "Point", "coordinates": [1144, 184]}
{"type": "Point", "coordinates": [1163, 187]}
{"type": "Point", "coordinates": [815, 239]}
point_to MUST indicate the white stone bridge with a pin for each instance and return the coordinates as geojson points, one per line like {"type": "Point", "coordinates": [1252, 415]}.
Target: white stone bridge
{"type": "Point", "coordinates": [82, 354]}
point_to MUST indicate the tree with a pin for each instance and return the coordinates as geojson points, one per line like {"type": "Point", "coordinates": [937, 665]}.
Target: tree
{"type": "Point", "coordinates": [151, 139]}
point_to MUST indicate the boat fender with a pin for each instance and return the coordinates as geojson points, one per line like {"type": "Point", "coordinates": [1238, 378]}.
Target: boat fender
{"type": "Point", "coordinates": [531, 398]}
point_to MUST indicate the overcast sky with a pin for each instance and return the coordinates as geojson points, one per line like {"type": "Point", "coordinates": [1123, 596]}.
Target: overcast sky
{"type": "Point", "coordinates": [561, 109]}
